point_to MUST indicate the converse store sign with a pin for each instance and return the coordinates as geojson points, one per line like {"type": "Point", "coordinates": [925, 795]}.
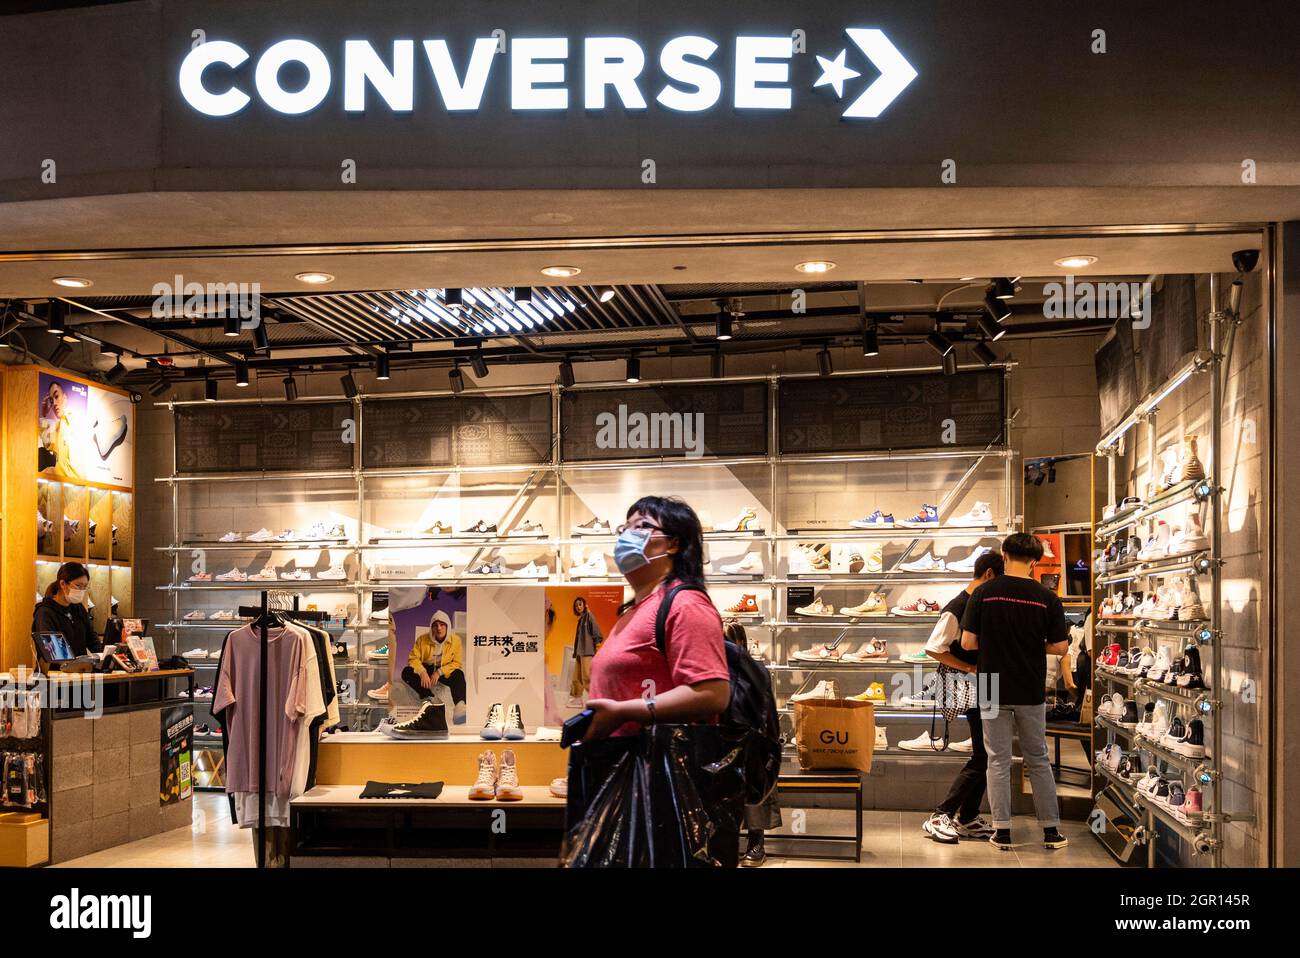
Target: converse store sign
{"type": "Point", "coordinates": [221, 78]}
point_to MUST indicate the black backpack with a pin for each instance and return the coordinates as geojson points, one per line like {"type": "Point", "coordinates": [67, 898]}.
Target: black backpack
{"type": "Point", "coordinates": [751, 714]}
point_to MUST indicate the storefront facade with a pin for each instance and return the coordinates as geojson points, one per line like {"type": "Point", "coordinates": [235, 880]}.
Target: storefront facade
{"type": "Point", "coordinates": [660, 144]}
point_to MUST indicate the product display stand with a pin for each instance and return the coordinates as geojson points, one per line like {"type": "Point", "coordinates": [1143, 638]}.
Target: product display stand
{"type": "Point", "coordinates": [262, 621]}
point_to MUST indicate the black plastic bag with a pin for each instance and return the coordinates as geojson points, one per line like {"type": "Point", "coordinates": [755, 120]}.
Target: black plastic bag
{"type": "Point", "coordinates": [671, 797]}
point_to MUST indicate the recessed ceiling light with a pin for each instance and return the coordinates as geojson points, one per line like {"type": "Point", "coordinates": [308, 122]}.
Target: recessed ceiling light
{"type": "Point", "coordinates": [816, 266]}
{"type": "Point", "coordinates": [315, 279]}
{"type": "Point", "coordinates": [1075, 262]}
{"type": "Point", "coordinates": [561, 272]}
{"type": "Point", "coordinates": [76, 282]}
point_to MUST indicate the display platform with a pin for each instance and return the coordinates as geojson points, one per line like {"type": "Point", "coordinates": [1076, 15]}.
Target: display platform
{"type": "Point", "coordinates": [368, 756]}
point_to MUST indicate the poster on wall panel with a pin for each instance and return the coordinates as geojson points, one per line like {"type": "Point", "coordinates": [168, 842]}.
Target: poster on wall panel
{"type": "Point", "coordinates": [469, 649]}
{"type": "Point", "coordinates": [176, 734]}
{"type": "Point", "coordinates": [1047, 570]}
{"type": "Point", "coordinates": [86, 432]}
{"type": "Point", "coordinates": [578, 619]}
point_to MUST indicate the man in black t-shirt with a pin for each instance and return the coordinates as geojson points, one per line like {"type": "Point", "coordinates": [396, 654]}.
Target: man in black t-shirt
{"type": "Point", "coordinates": [958, 815]}
{"type": "Point", "coordinates": [1014, 623]}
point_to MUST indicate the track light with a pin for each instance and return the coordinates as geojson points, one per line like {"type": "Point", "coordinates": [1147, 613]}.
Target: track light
{"type": "Point", "coordinates": [605, 293]}
{"type": "Point", "coordinates": [160, 386]}
{"type": "Point", "coordinates": [58, 321]}
{"type": "Point", "coordinates": [453, 297]}
{"type": "Point", "coordinates": [939, 343]}
{"type": "Point", "coordinates": [261, 342]}
{"type": "Point", "coordinates": [871, 339]}
{"type": "Point", "coordinates": [241, 373]}
{"type": "Point", "coordinates": [479, 363]}
{"type": "Point", "coordinates": [523, 294]}
{"type": "Point", "coordinates": [290, 388]}
{"type": "Point", "coordinates": [717, 364]}
{"type": "Point", "coordinates": [210, 390]}
{"type": "Point", "coordinates": [1234, 297]}
{"type": "Point", "coordinates": [990, 327]}
{"type": "Point", "coordinates": [61, 352]}
{"type": "Point", "coordinates": [722, 326]}
{"type": "Point", "coordinates": [566, 374]}
{"type": "Point", "coordinates": [382, 371]}
{"type": "Point", "coordinates": [824, 364]}
{"type": "Point", "coordinates": [950, 363]}
{"type": "Point", "coordinates": [633, 369]}
{"type": "Point", "coordinates": [985, 355]}
{"type": "Point", "coordinates": [457, 380]}
{"type": "Point", "coordinates": [349, 385]}
{"type": "Point", "coordinates": [996, 308]}
{"type": "Point", "coordinates": [116, 374]}
{"type": "Point", "coordinates": [232, 326]}
{"type": "Point", "coordinates": [1004, 288]}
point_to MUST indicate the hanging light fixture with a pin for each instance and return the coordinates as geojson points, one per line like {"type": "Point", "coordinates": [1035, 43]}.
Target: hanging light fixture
{"type": "Point", "coordinates": [231, 327]}
{"type": "Point", "coordinates": [939, 342]}
{"type": "Point", "coordinates": [382, 372]}
{"type": "Point", "coordinates": [824, 364]}
{"type": "Point", "coordinates": [523, 294]}
{"type": "Point", "coordinates": [990, 327]}
{"type": "Point", "coordinates": [456, 380]}
{"type": "Point", "coordinates": [722, 325]}
{"type": "Point", "coordinates": [210, 390]}
{"type": "Point", "coordinates": [871, 339]}
{"type": "Point", "coordinates": [479, 363]}
{"type": "Point", "coordinates": [997, 309]}
{"type": "Point", "coordinates": [566, 373]}
{"type": "Point", "coordinates": [717, 364]}
{"type": "Point", "coordinates": [1004, 288]}
{"type": "Point", "coordinates": [605, 293]}
{"type": "Point", "coordinates": [290, 388]}
{"type": "Point", "coordinates": [241, 373]}
{"type": "Point", "coordinates": [633, 374]}
{"type": "Point", "coordinates": [58, 317]}
{"type": "Point", "coordinates": [950, 363]}
{"type": "Point", "coordinates": [453, 297]}
{"type": "Point", "coordinates": [261, 342]}
{"type": "Point", "coordinates": [349, 385]}
{"type": "Point", "coordinates": [985, 355]}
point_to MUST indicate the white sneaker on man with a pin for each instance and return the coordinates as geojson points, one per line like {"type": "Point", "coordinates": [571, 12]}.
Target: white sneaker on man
{"type": "Point", "coordinates": [940, 827]}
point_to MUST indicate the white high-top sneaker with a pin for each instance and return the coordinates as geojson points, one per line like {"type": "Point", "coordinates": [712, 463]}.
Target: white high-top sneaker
{"type": "Point", "coordinates": [752, 564]}
{"type": "Point", "coordinates": [825, 689]}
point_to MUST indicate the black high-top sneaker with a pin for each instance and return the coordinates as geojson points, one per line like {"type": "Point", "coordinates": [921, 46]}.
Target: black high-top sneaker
{"type": "Point", "coordinates": [1130, 717]}
{"type": "Point", "coordinates": [429, 722]}
{"type": "Point", "coordinates": [1192, 744]}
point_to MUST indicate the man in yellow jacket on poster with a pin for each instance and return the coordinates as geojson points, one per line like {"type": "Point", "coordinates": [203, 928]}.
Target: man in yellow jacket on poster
{"type": "Point", "coordinates": [435, 660]}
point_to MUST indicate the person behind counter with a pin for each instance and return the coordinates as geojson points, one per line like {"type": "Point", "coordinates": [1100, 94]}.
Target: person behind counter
{"type": "Point", "coordinates": [62, 610]}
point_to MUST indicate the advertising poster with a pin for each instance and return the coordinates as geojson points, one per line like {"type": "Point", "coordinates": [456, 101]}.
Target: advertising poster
{"type": "Point", "coordinates": [85, 432]}
{"type": "Point", "coordinates": [506, 628]}
{"type": "Point", "coordinates": [1048, 569]}
{"type": "Point", "coordinates": [177, 732]}
{"type": "Point", "coordinates": [577, 620]}
{"type": "Point", "coordinates": [429, 654]}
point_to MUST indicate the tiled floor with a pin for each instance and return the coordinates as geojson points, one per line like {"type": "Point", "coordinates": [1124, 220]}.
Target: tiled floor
{"type": "Point", "coordinates": [890, 839]}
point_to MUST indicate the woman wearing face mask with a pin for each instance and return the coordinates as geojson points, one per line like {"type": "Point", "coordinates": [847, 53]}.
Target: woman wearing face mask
{"type": "Point", "coordinates": [62, 610]}
{"type": "Point", "coordinates": [632, 682]}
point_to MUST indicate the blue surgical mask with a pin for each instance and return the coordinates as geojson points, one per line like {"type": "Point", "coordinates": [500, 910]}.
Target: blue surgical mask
{"type": "Point", "coordinates": [629, 550]}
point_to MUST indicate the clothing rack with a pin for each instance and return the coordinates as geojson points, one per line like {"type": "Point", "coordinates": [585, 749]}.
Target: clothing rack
{"type": "Point", "coordinates": [262, 614]}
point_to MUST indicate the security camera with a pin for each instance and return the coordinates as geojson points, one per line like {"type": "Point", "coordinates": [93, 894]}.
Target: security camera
{"type": "Point", "coordinates": [1204, 843]}
{"type": "Point", "coordinates": [1245, 260]}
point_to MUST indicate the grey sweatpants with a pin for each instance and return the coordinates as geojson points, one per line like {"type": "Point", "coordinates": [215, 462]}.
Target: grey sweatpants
{"type": "Point", "coordinates": [1030, 723]}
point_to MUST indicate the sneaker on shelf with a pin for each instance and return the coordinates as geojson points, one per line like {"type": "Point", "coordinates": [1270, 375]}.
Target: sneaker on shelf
{"type": "Point", "coordinates": [752, 564]}
{"type": "Point", "coordinates": [223, 615]}
{"type": "Point", "coordinates": [437, 529]}
{"type": "Point", "coordinates": [546, 734]}
{"type": "Point", "coordinates": [825, 689]}
{"type": "Point", "coordinates": [70, 527]}
{"type": "Point", "coordinates": [927, 563]}
{"type": "Point", "coordinates": [560, 787]}
{"type": "Point", "coordinates": [195, 654]}
{"type": "Point", "coordinates": [593, 527]}
{"type": "Point", "coordinates": [508, 789]}
{"type": "Point", "coordinates": [593, 567]}
{"type": "Point", "coordinates": [808, 560]}
{"type": "Point", "coordinates": [1189, 464]}
{"type": "Point", "coordinates": [874, 604]}
{"type": "Point", "coordinates": [872, 650]}
{"type": "Point", "coordinates": [968, 564]}
{"type": "Point", "coordinates": [1192, 743]}
{"type": "Point", "coordinates": [746, 520]}
{"type": "Point", "coordinates": [979, 516]}
{"type": "Point", "coordinates": [756, 652]}
{"type": "Point", "coordinates": [747, 604]}
{"type": "Point", "coordinates": [429, 722]}
{"type": "Point", "coordinates": [923, 743]}
{"type": "Point", "coordinates": [262, 535]}
{"type": "Point", "coordinates": [231, 537]}
{"type": "Point", "coordinates": [939, 827]}
{"type": "Point", "coordinates": [233, 575]}
{"type": "Point", "coordinates": [480, 528]}
{"type": "Point", "coordinates": [965, 745]}
{"type": "Point", "coordinates": [201, 577]}
{"type": "Point", "coordinates": [513, 730]}
{"type": "Point", "coordinates": [818, 653]}
{"type": "Point", "coordinates": [1190, 536]}
{"type": "Point", "coordinates": [882, 736]}
{"type": "Point", "coordinates": [1128, 716]}
{"type": "Point", "coordinates": [921, 656]}
{"type": "Point", "coordinates": [485, 786]}
{"type": "Point", "coordinates": [495, 723]}
{"type": "Point", "coordinates": [877, 520]}
{"type": "Point", "coordinates": [532, 571]}
{"type": "Point", "coordinates": [1190, 608]}
{"type": "Point", "coordinates": [486, 568]}
{"type": "Point", "coordinates": [298, 575]}
{"type": "Point", "coordinates": [875, 692]}
{"type": "Point", "coordinates": [380, 694]}
{"type": "Point", "coordinates": [196, 616]}
{"type": "Point", "coordinates": [916, 607]}
{"type": "Point", "coordinates": [872, 563]}
{"type": "Point", "coordinates": [925, 697]}
{"type": "Point", "coordinates": [927, 517]}
{"type": "Point", "coordinates": [437, 570]}
{"type": "Point", "coordinates": [266, 575]}
{"type": "Point", "coordinates": [202, 731]}
{"type": "Point", "coordinates": [334, 572]}
{"type": "Point", "coordinates": [1047, 549]}
{"type": "Point", "coordinates": [529, 529]}
{"type": "Point", "coordinates": [287, 535]}
{"type": "Point", "coordinates": [379, 653]}
{"type": "Point", "coordinates": [816, 609]}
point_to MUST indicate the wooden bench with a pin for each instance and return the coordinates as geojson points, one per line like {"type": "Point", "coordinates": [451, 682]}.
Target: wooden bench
{"type": "Point", "coordinates": [835, 783]}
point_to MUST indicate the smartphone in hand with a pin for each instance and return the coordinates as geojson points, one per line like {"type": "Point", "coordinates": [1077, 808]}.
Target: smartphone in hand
{"type": "Point", "coordinates": [575, 728]}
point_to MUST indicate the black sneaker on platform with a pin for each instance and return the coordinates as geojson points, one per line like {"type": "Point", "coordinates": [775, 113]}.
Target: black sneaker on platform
{"type": "Point", "coordinates": [429, 722]}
